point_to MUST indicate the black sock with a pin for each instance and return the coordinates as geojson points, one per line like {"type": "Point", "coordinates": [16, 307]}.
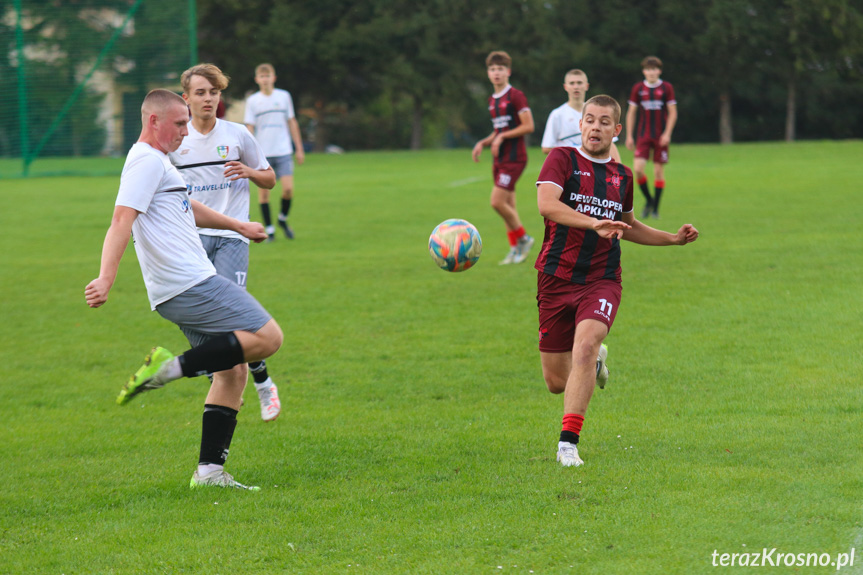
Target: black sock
{"type": "Point", "coordinates": [646, 191]}
{"type": "Point", "coordinates": [217, 430]}
{"type": "Point", "coordinates": [265, 213]}
{"type": "Point", "coordinates": [286, 207]}
{"type": "Point", "coordinates": [569, 437]}
{"type": "Point", "coordinates": [656, 198]}
{"type": "Point", "coordinates": [217, 354]}
{"type": "Point", "coordinates": [259, 371]}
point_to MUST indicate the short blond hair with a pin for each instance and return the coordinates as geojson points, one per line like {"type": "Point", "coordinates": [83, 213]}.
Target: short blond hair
{"type": "Point", "coordinates": [159, 100]}
{"type": "Point", "coordinates": [605, 101]}
{"type": "Point", "coordinates": [260, 68]}
{"type": "Point", "coordinates": [211, 72]}
{"type": "Point", "coordinates": [575, 72]}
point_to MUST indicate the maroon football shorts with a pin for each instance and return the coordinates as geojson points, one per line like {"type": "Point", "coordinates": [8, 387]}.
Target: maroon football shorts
{"type": "Point", "coordinates": [563, 304]}
{"type": "Point", "coordinates": [506, 174]}
{"type": "Point", "coordinates": [643, 147]}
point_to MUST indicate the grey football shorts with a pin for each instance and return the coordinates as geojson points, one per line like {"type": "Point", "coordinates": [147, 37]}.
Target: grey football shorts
{"type": "Point", "coordinates": [230, 256]}
{"type": "Point", "coordinates": [214, 307]}
{"type": "Point", "coordinates": [282, 165]}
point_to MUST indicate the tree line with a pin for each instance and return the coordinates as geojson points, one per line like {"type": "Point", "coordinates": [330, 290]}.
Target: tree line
{"type": "Point", "coordinates": [371, 74]}
{"type": "Point", "coordinates": [397, 73]}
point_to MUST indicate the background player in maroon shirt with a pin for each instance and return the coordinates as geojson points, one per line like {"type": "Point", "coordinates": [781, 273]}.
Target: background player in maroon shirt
{"type": "Point", "coordinates": [586, 200]}
{"type": "Point", "coordinates": [655, 98]}
{"type": "Point", "coordinates": [512, 119]}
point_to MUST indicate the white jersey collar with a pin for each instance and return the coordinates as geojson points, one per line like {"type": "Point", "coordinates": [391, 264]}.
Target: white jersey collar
{"type": "Point", "coordinates": [502, 92]}
{"type": "Point", "coordinates": [592, 159]}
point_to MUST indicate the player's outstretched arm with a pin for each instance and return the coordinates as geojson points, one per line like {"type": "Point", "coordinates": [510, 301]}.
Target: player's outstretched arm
{"type": "Point", "coordinates": [209, 218]}
{"type": "Point", "coordinates": [116, 240]}
{"type": "Point", "coordinates": [643, 234]}
{"type": "Point", "coordinates": [550, 207]}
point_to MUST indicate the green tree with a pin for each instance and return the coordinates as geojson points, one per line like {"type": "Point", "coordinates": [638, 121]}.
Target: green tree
{"type": "Point", "coordinates": [812, 38]}
{"type": "Point", "coordinates": [62, 41]}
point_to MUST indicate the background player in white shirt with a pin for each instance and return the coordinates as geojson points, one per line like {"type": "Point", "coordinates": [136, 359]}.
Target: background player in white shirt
{"type": "Point", "coordinates": [270, 117]}
{"type": "Point", "coordinates": [232, 328]}
{"type": "Point", "coordinates": [217, 159]}
{"type": "Point", "coordinates": [563, 127]}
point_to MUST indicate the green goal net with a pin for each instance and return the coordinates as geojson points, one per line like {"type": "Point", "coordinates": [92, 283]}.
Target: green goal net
{"type": "Point", "coordinates": [74, 73]}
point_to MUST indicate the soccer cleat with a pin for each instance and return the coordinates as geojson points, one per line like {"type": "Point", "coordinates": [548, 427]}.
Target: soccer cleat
{"type": "Point", "coordinates": [656, 213]}
{"type": "Point", "coordinates": [145, 378]}
{"type": "Point", "coordinates": [289, 233]}
{"type": "Point", "coordinates": [219, 478]}
{"type": "Point", "coordinates": [522, 248]}
{"type": "Point", "coordinates": [601, 368]}
{"type": "Point", "coordinates": [567, 454]}
{"type": "Point", "coordinates": [510, 257]}
{"type": "Point", "coordinates": [645, 213]}
{"type": "Point", "coordinates": [270, 404]}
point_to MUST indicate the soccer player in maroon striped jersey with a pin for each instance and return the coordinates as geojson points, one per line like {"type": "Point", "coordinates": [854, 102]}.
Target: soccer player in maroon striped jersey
{"type": "Point", "coordinates": [512, 120]}
{"type": "Point", "coordinates": [655, 98]}
{"type": "Point", "coordinates": [586, 200]}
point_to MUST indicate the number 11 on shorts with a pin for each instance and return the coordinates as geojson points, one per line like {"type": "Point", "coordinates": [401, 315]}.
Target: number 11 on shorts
{"type": "Point", "coordinates": [603, 304]}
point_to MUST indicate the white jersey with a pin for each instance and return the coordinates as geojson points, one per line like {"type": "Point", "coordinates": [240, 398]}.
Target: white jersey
{"type": "Point", "coordinates": [201, 161]}
{"type": "Point", "coordinates": [269, 115]}
{"type": "Point", "coordinates": [166, 241]}
{"type": "Point", "coordinates": [563, 128]}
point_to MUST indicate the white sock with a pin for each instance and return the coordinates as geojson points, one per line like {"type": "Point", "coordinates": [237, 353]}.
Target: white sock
{"type": "Point", "coordinates": [170, 371]}
{"type": "Point", "coordinates": [264, 384]}
{"type": "Point", "coordinates": [207, 468]}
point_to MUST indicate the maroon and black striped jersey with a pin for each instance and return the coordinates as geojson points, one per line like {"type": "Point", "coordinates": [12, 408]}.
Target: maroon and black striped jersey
{"type": "Point", "coordinates": [602, 190]}
{"type": "Point", "coordinates": [504, 109]}
{"type": "Point", "coordinates": [653, 105]}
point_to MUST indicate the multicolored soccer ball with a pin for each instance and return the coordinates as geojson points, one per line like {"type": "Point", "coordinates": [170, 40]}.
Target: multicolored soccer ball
{"type": "Point", "coordinates": [455, 245]}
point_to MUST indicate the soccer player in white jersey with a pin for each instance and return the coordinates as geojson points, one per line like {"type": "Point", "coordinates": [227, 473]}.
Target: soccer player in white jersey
{"type": "Point", "coordinates": [270, 117]}
{"type": "Point", "coordinates": [226, 326]}
{"type": "Point", "coordinates": [563, 127]}
{"type": "Point", "coordinates": [217, 160]}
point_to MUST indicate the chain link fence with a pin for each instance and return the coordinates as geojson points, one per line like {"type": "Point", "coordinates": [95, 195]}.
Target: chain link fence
{"type": "Point", "coordinates": [75, 72]}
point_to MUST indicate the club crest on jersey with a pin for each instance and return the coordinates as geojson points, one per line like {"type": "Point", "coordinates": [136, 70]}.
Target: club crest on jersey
{"type": "Point", "coordinates": [613, 180]}
{"type": "Point", "coordinates": [187, 205]}
{"type": "Point", "coordinates": [222, 151]}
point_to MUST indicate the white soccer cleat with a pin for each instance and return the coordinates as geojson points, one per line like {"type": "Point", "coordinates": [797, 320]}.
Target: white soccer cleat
{"type": "Point", "coordinates": [219, 478]}
{"type": "Point", "coordinates": [522, 248]}
{"type": "Point", "coordinates": [510, 257]}
{"type": "Point", "coordinates": [567, 454]}
{"type": "Point", "coordinates": [269, 396]}
{"type": "Point", "coordinates": [601, 368]}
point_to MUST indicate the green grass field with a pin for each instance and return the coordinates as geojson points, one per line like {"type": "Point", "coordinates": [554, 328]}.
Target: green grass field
{"type": "Point", "coordinates": [416, 434]}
